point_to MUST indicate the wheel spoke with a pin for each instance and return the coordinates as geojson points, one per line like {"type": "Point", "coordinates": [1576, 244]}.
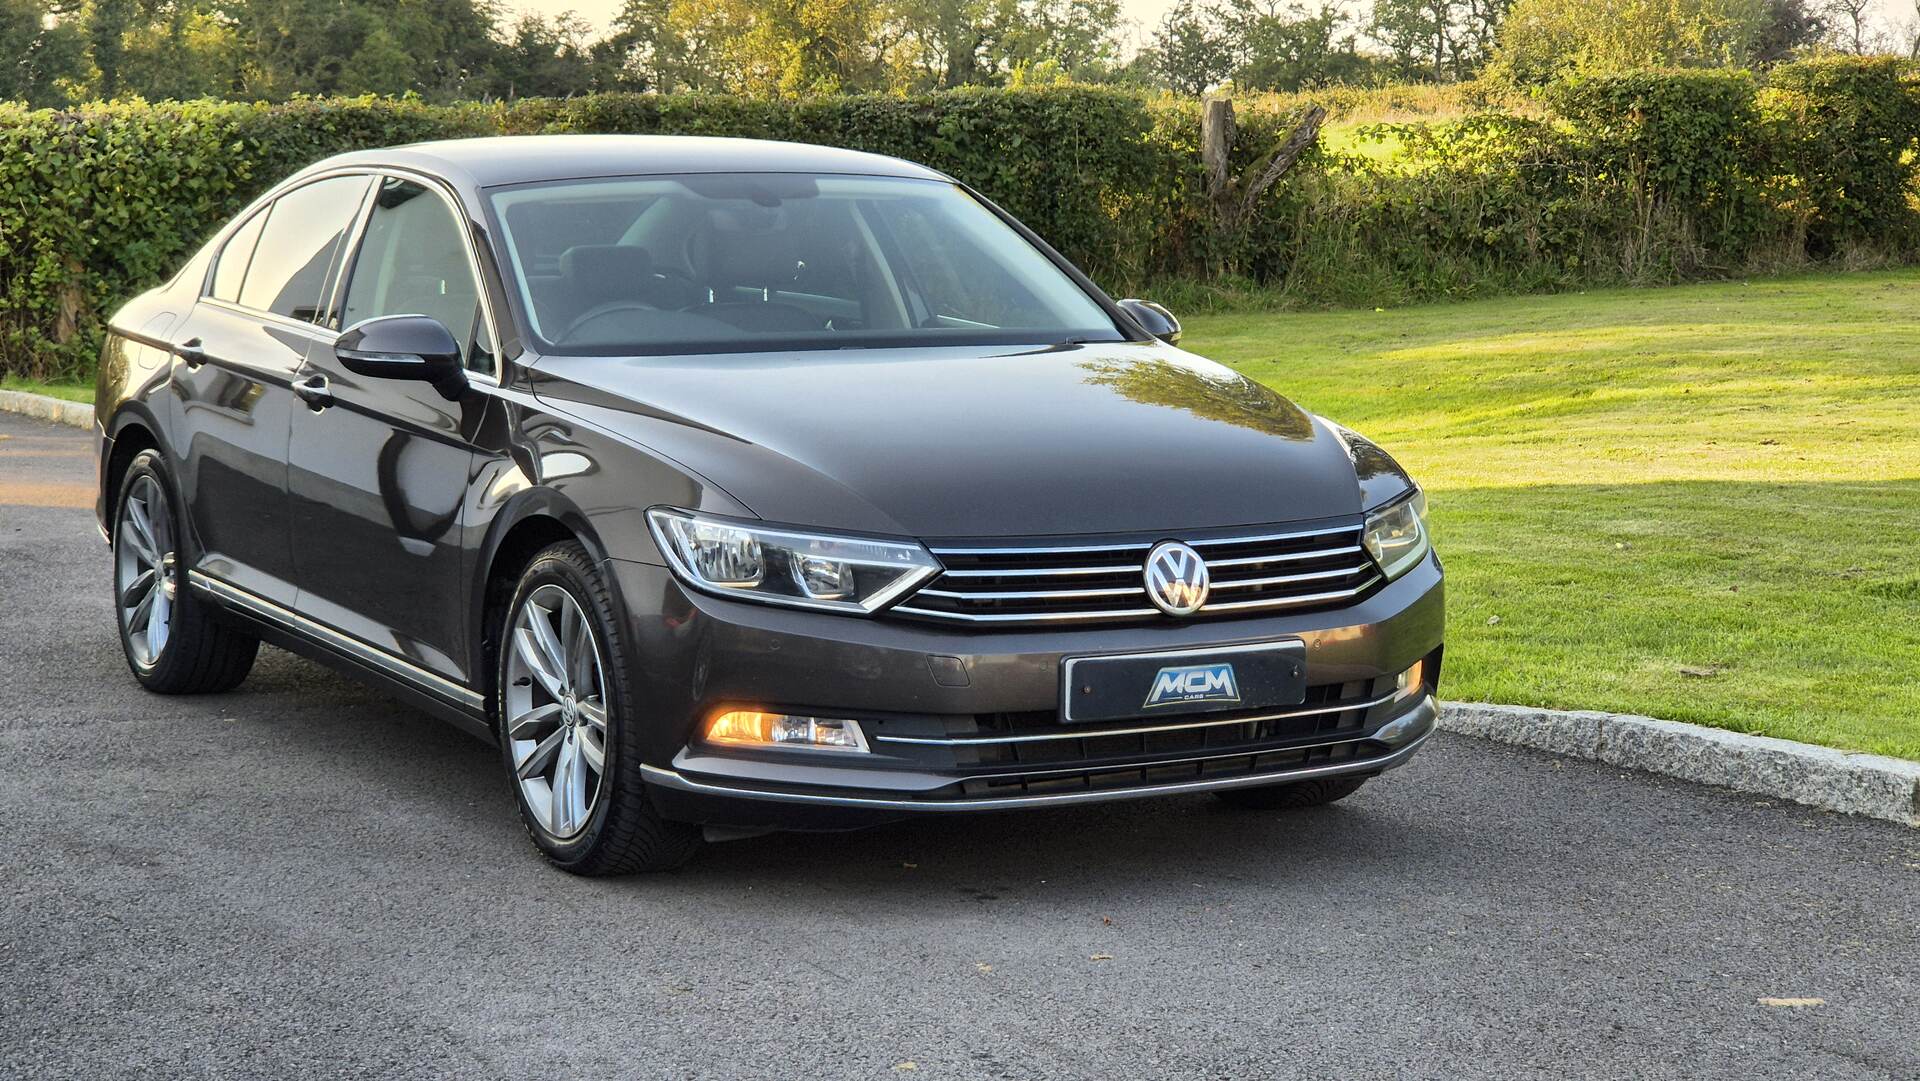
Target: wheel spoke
{"type": "Point", "coordinates": [142, 613]}
{"type": "Point", "coordinates": [536, 761]}
{"type": "Point", "coordinates": [138, 589]}
{"type": "Point", "coordinates": [159, 623]}
{"type": "Point", "coordinates": [535, 659]}
{"type": "Point", "coordinates": [578, 646]}
{"type": "Point", "coordinates": [593, 751]}
{"type": "Point", "coordinates": [594, 712]}
{"type": "Point", "coordinates": [553, 656]}
{"type": "Point", "coordinates": [570, 785]}
{"type": "Point", "coordinates": [137, 517]}
{"type": "Point", "coordinates": [523, 726]}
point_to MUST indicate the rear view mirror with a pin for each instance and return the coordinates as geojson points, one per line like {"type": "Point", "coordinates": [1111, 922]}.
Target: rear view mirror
{"type": "Point", "coordinates": [1155, 319]}
{"type": "Point", "coordinates": [417, 347]}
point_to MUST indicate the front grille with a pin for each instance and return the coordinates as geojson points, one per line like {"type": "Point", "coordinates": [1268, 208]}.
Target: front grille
{"type": "Point", "coordinates": [1298, 570]}
{"type": "Point", "coordinates": [1033, 753]}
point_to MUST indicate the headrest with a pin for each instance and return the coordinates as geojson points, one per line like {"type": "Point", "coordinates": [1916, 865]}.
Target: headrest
{"type": "Point", "coordinates": [617, 265]}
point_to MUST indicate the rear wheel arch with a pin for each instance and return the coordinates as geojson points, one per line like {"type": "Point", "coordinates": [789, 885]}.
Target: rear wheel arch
{"type": "Point", "coordinates": [131, 435]}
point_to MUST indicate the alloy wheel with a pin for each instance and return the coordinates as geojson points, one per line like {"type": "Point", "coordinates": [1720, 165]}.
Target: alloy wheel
{"type": "Point", "coordinates": [556, 709]}
{"type": "Point", "coordinates": [145, 575]}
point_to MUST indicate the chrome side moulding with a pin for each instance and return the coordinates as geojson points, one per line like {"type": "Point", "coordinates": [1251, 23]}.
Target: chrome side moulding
{"type": "Point", "coordinates": [404, 669]}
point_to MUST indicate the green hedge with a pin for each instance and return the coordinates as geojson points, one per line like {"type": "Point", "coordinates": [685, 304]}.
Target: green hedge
{"type": "Point", "coordinates": [1645, 177]}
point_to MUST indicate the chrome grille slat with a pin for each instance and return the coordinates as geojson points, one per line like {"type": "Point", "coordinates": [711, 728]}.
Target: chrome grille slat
{"type": "Point", "coordinates": [1285, 579]}
{"type": "Point", "coordinates": [1286, 557]}
{"type": "Point", "coordinates": [1026, 617]}
{"type": "Point", "coordinates": [1038, 594]}
{"type": "Point", "coordinates": [1054, 582]}
{"type": "Point", "coordinates": [1034, 572]}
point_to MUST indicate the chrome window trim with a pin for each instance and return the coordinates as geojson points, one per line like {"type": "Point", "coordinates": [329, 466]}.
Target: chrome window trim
{"type": "Point", "coordinates": [344, 643]}
{"type": "Point", "coordinates": [264, 205]}
{"type": "Point", "coordinates": [311, 330]}
{"type": "Point", "coordinates": [438, 185]}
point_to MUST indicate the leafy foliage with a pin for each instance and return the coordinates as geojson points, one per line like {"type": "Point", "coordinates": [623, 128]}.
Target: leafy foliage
{"type": "Point", "coordinates": [1639, 177]}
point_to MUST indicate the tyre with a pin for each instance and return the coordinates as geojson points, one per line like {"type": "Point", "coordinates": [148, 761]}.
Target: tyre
{"type": "Point", "coordinates": [1294, 796]}
{"type": "Point", "coordinates": [568, 728]}
{"type": "Point", "coordinates": [171, 638]}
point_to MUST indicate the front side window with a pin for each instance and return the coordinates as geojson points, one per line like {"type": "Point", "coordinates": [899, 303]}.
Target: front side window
{"type": "Point", "coordinates": [298, 246]}
{"type": "Point", "coordinates": [750, 262]}
{"type": "Point", "coordinates": [413, 261]}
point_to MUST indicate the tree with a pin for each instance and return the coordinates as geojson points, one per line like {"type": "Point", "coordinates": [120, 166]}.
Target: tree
{"type": "Point", "coordinates": [1285, 46]}
{"type": "Point", "coordinates": [1189, 53]}
{"type": "Point", "coordinates": [37, 53]}
{"type": "Point", "coordinates": [107, 23]}
{"type": "Point", "coordinates": [545, 59]}
{"type": "Point", "coordinates": [1438, 39]}
{"type": "Point", "coordinates": [1850, 25]}
{"type": "Point", "coordinates": [1790, 27]}
{"type": "Point", "coordinates": [182, 50]}
{"type": "Point", "coordinates": [1545, 40]}
{"type": "Point", "coordinates": [1077, 35]}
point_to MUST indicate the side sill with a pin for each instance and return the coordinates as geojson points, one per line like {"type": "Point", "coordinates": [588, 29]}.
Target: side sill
{"type": "Point", "coordinates": [462, 706]}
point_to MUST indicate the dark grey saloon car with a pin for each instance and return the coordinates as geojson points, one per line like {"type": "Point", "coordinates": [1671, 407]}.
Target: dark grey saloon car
{"type": "Point", "coordinates": [736, 486]}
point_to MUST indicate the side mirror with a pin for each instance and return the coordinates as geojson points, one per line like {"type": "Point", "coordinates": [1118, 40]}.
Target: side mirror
{"type": "Point", "coordinates": [1157, 320]}
{"type": "Point", "coordinates": [416, 347]}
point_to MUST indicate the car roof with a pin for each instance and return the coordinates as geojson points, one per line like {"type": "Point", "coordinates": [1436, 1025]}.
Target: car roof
{"type": "Point", "coordinates": [518, 159]}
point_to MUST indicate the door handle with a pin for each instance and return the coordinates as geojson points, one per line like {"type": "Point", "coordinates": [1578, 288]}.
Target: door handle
{"type": "Point", "coordinates": [313, 391]}
{"type": "Point", "coordinates": [190, 352]}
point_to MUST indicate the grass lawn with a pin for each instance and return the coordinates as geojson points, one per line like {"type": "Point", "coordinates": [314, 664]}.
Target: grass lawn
{"type": "Point", "coordinates": [73, 392]}
{"type": "Point", "coordinates": [1699, 503]}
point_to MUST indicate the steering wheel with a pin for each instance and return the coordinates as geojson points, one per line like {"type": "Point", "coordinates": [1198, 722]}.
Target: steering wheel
{"type": "Point", "coordinates": [601, 311]}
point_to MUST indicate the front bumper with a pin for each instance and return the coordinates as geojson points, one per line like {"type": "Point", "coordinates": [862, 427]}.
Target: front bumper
{"type": "Point", "coordinates": [963, 720]}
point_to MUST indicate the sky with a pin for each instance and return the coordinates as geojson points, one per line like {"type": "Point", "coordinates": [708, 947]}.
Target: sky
{"type": "Point", "coordinates": [1142, 13]}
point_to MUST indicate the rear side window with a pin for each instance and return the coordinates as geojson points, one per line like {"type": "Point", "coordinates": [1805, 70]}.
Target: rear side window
{"type": "Point", "coordinates": [297, 250]}
{"type": "Point", "coordinates": [232, 268]}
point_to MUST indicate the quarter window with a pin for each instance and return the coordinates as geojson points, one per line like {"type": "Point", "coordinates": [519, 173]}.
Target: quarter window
{"type": "Point", "coordinates": [232, 268]}
{"type": "Point", "coordinates": [414, 262]}
{"type": "Point", "coordinates": [297, 250]}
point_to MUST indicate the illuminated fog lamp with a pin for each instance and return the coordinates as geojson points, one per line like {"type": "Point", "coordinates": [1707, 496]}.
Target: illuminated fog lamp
{"type": "Point", "coordinates": [753, 728]}
{"type": "Point", "coordinates": [1411, 682]}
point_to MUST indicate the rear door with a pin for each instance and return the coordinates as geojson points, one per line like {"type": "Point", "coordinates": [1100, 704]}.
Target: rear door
{"type": "Point", "coordinates": [379, 475]}
{"type": "Point", "coordinates": [236, 357]}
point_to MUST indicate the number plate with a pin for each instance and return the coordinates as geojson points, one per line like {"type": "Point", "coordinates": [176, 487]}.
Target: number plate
{"type": "Point", "coordinates": [1128, 686]}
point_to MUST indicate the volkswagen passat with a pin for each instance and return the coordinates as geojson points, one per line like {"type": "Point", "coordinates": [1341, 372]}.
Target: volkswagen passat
{"type": "Point", "coordinates": [732, 486]}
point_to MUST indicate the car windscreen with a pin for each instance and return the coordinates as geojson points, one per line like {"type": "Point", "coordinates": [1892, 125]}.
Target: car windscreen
{"type": "Point", "coordinates": [719, 263]}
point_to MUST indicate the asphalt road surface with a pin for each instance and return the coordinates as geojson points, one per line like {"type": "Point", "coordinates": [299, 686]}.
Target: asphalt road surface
{"type": "Point", "coordinates": [305, 878]}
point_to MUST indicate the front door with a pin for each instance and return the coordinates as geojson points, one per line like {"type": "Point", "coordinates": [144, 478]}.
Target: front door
{"type": "Point", "coordinates": [379, 475]}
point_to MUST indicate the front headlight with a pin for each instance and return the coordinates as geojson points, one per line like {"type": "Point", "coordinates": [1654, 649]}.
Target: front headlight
{"type": "Point", "coordinates": [778, 566]}
{"type": "Point", "coordinates": [1397, 535]}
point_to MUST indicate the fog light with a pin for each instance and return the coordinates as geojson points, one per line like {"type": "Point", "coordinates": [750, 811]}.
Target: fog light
{"type": "Point", "coordinates": [1411, 682]}
{"type": "Point", "coordinates": [752, 728]}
